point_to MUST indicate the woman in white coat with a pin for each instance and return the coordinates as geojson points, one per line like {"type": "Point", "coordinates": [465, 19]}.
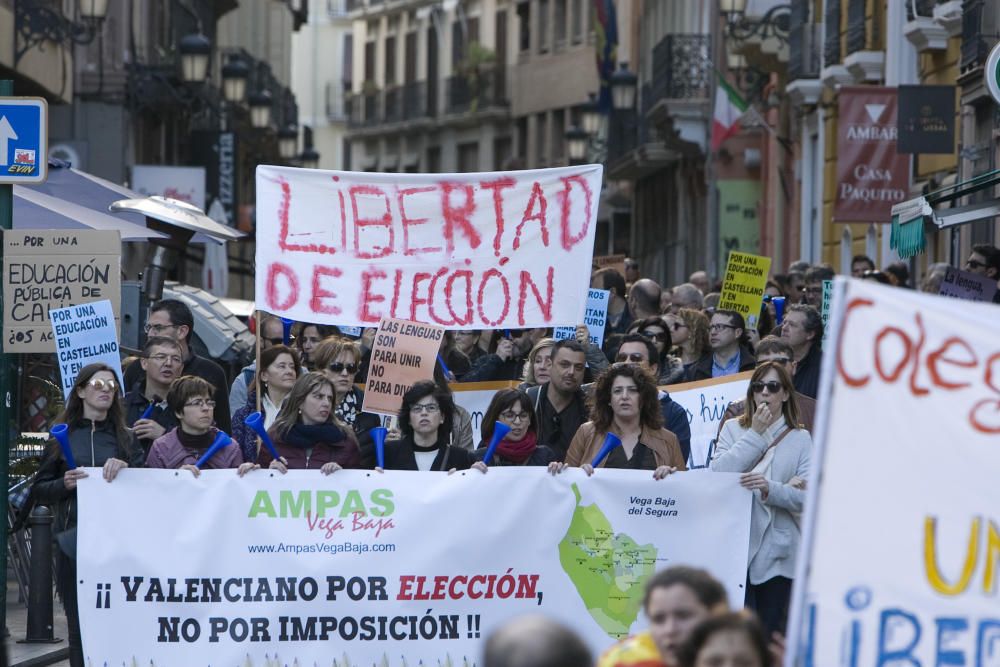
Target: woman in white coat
{"type": "Point", "coordinates": [768, 447]}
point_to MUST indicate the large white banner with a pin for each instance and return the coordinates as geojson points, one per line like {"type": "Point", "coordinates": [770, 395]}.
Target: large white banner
{"type": "Point", "coordinates": [901, 540]}
{"type": "Point", "coordinates": [387, 569]}
{"type": "Point", "coordinates": [705, 402]}
{"type": "Point", "coordinates": [481, 251]}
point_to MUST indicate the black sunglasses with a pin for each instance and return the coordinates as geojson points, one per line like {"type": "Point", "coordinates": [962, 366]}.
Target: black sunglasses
{"type": "Point", "coordinates": [338, 367]}
{"type": "Point", "coordinates": [772, 386]}
{"type": "Point", "coordinates": [279, 340]}
{"type": "Point", "coordinates": [658, 335]}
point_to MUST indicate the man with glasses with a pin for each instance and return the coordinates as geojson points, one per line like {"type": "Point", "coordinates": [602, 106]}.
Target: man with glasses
{"type": "Point", "coordinates": [173, 319]}
{"type": "Point", "coordinates": [162, 362]}
{"type": "Point", "coordinates": [729, 352]}
{"type": "Point", "coordinates": [802, 329]}
{"type": "Point", "coordinates": [639, 350]}
{"type": "Point", "coordinates": [271, 333]}
{"type": "Point", "coordinates": [812, 293]}
{"type": "Point", "coordinates": [985, 261]}
{"type": "Point", "coordinates": [560, 403]}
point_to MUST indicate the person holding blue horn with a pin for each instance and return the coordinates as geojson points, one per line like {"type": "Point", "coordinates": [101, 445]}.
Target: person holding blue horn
{"type": "Point", "coordinates": [624, 404]}
{"type": "Point", "coordinates": [276, 374]}
{"type": "Point", "coordinates": [519, 446]}
{"type": "Point", "coordinates": [192, 400]}
{"type": "Point", "coordinates": [93, 433]}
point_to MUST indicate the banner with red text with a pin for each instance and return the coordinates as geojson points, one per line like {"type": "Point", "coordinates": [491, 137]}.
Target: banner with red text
{"type": "Point", "coordinates": [902, 523]}
{"type": "Point", "coordinates": [400, 568]}
{"type": "Point", "coordinates": [480, 250]}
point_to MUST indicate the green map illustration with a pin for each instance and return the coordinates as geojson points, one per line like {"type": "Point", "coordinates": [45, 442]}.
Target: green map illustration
{"type": "Point", "coordinates": [607, 569]}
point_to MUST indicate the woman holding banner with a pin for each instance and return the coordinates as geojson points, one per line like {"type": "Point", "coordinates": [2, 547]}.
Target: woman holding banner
{"type": "Point", "coordinates": [425, 421]}
{"type": "Point", "coordinates": [773, 456]}
{"type": "Point", "coordinates": [307, 433]}
{"type": "Point", "coordinates": [280, 368]}
{"type": "Point", "coordinates": [520, 446]}
{"type": "Point", "coordinates": [191, 399]}
{"type": "Point", "coordinates": [97, 436]}
{"type": "Point", "coordinates": [340, 359]}
{"type": "Point", "coordinates": [625, 402]}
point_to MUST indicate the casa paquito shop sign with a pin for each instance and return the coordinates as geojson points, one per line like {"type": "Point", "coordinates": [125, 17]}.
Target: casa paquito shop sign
{"type": "Point", "coordinates": [902, 527]}
{"type": "Point", "coordinates": [358, 568]}
{"type": "Point", "coordinates": [480, 250]}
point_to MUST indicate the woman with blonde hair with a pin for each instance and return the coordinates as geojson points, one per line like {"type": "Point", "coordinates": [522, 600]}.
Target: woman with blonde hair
{"type": "Point", "coordinates": [538, 364]}
{"type": "Point", "coordinates": [689, 333]}
{"type": "Point", "coordinates": [340, 360]}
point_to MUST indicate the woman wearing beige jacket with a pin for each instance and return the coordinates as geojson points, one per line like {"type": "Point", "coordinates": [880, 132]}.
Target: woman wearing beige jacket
{"type": "Point", "coordinates": [625, 403]}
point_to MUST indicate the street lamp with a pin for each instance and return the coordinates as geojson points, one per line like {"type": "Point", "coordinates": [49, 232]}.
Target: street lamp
{"type": "Point", "coordinates": [288, 142]}
{"type": "Point", "coordinates": [623, 85]}
{"type": "Point", "coordinates": [576, 143]}
{"type": "Point", "coordinates": [590, 115]}
{"type": "Point", "coordinates": [93, 10]}
{"type": "Point", "coordinates": [195, 50]}
{"type": "Point", "coordinates": [732, 6]}
{"type": "Point", "coordinates": [309, 158]}
{"type": "Point", "coordinates": [234, 79]}
{"type": "Point", "coordinates": [260, 109]}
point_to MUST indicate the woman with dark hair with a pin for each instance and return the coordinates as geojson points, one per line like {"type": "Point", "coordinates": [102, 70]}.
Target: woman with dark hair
{"type": "Point", "coordinates": [772, 452]}
{"type": "Point", "coordinates": [310, 335]}
{"type": "Point", "coordinates": [98, 437]}
{"type": "Point", "coordinates": [307, 433]}
{"type": "Point", "coordinates": [656, 329]}
{"type": "Point", "coordinates": [190, 399]}
{"type": "Point", "coordinates": [625, 402]}
{"type": "Point", "coordinates": [425, 420]}
{"type": "Point", "coordinates": [520, 446]}
{"type": "Point", "coordinates": [340, 360]}
{"type": "Point", "coordinates": [458, 364]}
{"type": "Point", "coordinates": [734, 638]}
{"type": "Point", "coordinates": [279, 368]}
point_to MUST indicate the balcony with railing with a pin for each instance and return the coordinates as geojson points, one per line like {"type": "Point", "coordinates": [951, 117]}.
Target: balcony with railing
{"type": "Point", "coordinates": [865, 59]}
{"type": "Point", "coordinates": [804, 42]}
{"type": "Point", "coordinates": [930, 23]}
{"type": "Point", "coordinates": [478, 91]}
{"type": "Point", "coordinates": [975, 48]}
{"type": "Point", "coordinates": [453, 99]}
{"type": "Point", "coordinates": [677, 95]}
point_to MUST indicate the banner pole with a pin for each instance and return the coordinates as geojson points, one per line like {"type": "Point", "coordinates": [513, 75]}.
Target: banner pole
{"type": "Point", "coordinates": [8, 406]}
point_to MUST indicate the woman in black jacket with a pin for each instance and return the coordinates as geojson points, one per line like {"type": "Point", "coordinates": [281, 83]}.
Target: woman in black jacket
{"type": "Point", "coordinates": [97, 437]}
{"type": "Point", "coordinates": [340, 360]}
{"type": "Point", "coordinates": [520, 446]}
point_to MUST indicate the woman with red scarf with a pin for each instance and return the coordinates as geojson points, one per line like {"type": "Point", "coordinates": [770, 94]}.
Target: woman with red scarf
{"type": "Point", "coordinates": [520, 447]}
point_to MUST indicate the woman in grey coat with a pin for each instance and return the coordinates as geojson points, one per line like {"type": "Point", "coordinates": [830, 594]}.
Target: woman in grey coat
{"type": "Point", "coordinates": [768, 447]}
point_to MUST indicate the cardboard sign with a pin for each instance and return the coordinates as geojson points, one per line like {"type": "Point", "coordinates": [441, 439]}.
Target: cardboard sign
{"type": "Point", "coordinates": [53, 269]}
{"type": "Point", "coordinates": [85, 334]}
{"type": "Point", "coordinates": [964, 285]}
{"type": "Point", "coordinates": [825, 310]}
{"type": "Point", "coordinates": [743, 285]}
{"type": "Point", "coordinates": [404, 353]}
{"type": "Point", "coordinates": [476, 397]}
{"type": "Point", "coordinates": [596, 318]}
{"type": "Point", "coordinates": [616, 262]}
{"type": "Point", "coordinates": [497, 250]}
{"type": "Point", "coordinates": [705, 402]}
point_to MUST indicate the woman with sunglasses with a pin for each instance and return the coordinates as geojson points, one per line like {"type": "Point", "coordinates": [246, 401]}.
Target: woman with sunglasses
{"type": "Point", "coordinates": [97, 437]}
{"type": "Point", "coordinates": [340, 359]}
{"type": "Point", "coordinates": [519, 447]}
{"type": "Point", "coordinates": [190, 399]}
{"type": "Point", "coordinates": [656, 330]}
{"type": "Point", "coordinates": [280, 368]}
{"type": "Point", "coordinates": [689, 333]}
{"type": "Point", "coordinates": [768, 447]}
{"type": "Point", "coordinates": [425, 421]}
{"type": "Point", "coordinates": [307, 433]}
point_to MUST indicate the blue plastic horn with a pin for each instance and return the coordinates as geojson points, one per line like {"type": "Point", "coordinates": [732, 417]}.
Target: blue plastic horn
{"type": "Point", "coordinates": [610, 442]}
{"type": "Point", "coordinates": [378, 435]}
{"type": "Point", "coordinates": [61, 433]}
{"type": "Point", "coordinates": [500, 431]}
{"type": "Point", "coordinates": [221, 440]}
{"type": "Point", "coordinates": [444, 367]}
{"type": "Point", "coordinates": [779, 308]}
{"type": "Point", "coordinates": [148, 411]}
{"type": "Point", "coordinates": [255, 421]}
{"type": "Point", "coordinates": [286, 330]}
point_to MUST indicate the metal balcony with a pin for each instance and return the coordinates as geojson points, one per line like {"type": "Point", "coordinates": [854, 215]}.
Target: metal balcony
{"type": "Point", "coordinates": [471, 93]}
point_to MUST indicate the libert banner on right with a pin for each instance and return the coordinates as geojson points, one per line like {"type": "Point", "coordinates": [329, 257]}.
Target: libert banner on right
{"type": "Point", "coordinates": [901, 539]}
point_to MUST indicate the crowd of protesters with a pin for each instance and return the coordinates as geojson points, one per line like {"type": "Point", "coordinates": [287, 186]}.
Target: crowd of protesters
{"type": "Point", "coordinates": [571, 393]}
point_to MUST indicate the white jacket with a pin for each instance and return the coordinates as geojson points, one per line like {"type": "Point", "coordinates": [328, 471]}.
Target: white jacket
{"type": "Point", "coordinates": [774, 531]}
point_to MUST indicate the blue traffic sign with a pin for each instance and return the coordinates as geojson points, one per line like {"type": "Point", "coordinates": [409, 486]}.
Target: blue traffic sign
{"type": "Point", "coordinates": [23, 139]}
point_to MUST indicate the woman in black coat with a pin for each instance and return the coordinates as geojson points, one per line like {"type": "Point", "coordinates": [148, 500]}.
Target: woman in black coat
{"type": "Point", "coordinates": [340, 360]}
{"type": "Point", "coordinates": [520, 446]}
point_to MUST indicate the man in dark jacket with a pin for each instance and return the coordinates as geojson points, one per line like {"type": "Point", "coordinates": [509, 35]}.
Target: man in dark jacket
{"type": "Point", "coordinates": [802, 328]}
{"type": "Point", "coordinates": [730, 353]}
{"type": "Point", "coordinates": [560, 404]}
{"type": "Point", "coordinates": [637, 349]}
{"type": "Point", "coordinates": [162, 362]}
{"type": "Point", "coordinates": [507, 361]}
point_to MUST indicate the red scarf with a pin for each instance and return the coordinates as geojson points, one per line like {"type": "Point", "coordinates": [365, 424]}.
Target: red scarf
{"type": "Point", "coordinates": [518, 452]}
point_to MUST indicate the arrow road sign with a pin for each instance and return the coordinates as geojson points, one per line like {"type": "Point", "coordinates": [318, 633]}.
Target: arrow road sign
{"type": "Point", "coordinates": [23, 140]}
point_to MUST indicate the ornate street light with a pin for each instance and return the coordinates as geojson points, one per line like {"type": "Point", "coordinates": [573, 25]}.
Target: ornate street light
{"type": "Point", "coordinates": [260, 109]}
{"type": "Point", "coordinates": [309, 158]}
{"type": "Point", "coordinates": [576, 143]}
{"type": "Point", "coordinates": [288, 142]}
{"type": "Point", "coordinates": [590, 115]}
{"type": "Point", "coordinates": [623, 85]}
{"type": "Point", "coordinates": [93, 10]}
{"type": "Point", "coordinates": [195, 51]}
{"type": "Point", "coordinates": [775, 22]}
{"type": "Point", "coordinates": [40, 21]}
{"type": "Point", "coordinates": [234, 79]}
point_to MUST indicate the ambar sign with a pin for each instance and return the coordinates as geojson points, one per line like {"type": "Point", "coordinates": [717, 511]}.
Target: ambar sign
{"type": "Point", "coordinates": [871, 175]}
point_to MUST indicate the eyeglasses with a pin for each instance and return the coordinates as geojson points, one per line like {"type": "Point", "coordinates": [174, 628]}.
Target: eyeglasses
{"type": "Point", "coordinates": [656, 335]}
{"type": "Point", "coordinates": [200, 403]}
{"type": "Point", "coordinates": [719, 326]}
{"type": "Point", "coordinates": [634, 357]}
{"type": "Point", "coordinates": [163, 358]}
{"type": "Point", "coordinates": [338, 367]}
{"type": "Point", "coordinates": [156, 328]}
{"type": "Point", "coordinates": [973, 264]}
{"type": "Point", "coordinates": [280, 340]}
{"type": "Point", "coordinates": [429, 408]}
{"type": "Point", "coordinates": [100, 384]}
{"type": "Point", "coordinates": [784, 361]}
{"type": "Point", "coordinates": [772, 387]}
{"type": "Point", "coordinates": [515, 416]}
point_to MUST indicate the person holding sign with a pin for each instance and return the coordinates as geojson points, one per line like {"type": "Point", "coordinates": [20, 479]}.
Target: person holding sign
{"type": "Point", "coordinates": [191, 400]}
{"type": "Point", "coordinates": [425, 421]}
{"type": "Point", "coordinates": [625, 403]}
{"type": "Point", "coordinates": [280, 369]}
{"type": "Point", "coordinates": [520, 446]}
{"type": "Point", "coordinates": [774, 455]}
{"type": "Point", "coordinates": [307, 433]}
{"type": "Point", "coordinates": [339, 359]}
{"type": "Point", "coordinates": [97, 437]}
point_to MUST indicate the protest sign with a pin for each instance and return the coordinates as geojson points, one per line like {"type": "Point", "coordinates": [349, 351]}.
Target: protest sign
{"type": "Point", "coordinates": [84, 335]}
{"type": "Point", "coordinates": [743, 285]}
{"type": "Point", "coordinates": [455, 250]}
{"type": "Point", "coordinates": [705, 402]}
{"type": "Point", "coordinates": [900, 542]}
{"type": "Point", "coordinates": [49, 269]}
{"type": "Point", "coordinates": [596, 317]}
{"type": "Point", "coordinates": [359, 568]}
{"type": "Point", "coordinates": [404, 353]}
{"type": "Point", "coordinates": [825, 310]}
{"type": "Point", "coordinates": [970, 286]}
{"type": "Point", "coordinates": [616, 262]}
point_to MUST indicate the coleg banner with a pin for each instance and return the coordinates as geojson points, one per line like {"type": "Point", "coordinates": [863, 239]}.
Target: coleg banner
{"type": "Point", "coordinates": [398, 568]}
{"type": "Point", "coordinates": [483, 250]}
{"type": "Point", "coordinates": [901, 535]}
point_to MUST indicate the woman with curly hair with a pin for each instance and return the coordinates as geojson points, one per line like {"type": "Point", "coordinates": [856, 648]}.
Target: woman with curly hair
{"type": "Point", "coordinates": [625, 402]}
{"type": "Point", "coordinates": [689, 332]}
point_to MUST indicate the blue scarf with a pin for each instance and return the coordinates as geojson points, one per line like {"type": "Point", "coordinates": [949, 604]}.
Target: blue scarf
{"type": "Point", "coordinates": [305, 436]}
